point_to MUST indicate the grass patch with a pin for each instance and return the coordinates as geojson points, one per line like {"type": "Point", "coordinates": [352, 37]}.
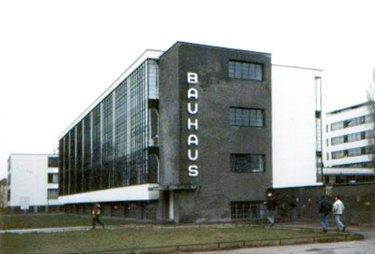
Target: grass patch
{"type": "Point", "coordinates": [127, 238]}
{"type": "Point", "coordinates": [49, 221]}
{"type": "Point", "coordinates": [151, 237]}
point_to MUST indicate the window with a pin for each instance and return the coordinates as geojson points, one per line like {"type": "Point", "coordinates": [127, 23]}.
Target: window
{"type": "Point", "coordinates": [53, 178]}
{"type": "Point", "coordinates": [369, 118]}
{"type": "Point", "coordinates": [337, 140]}
{"type": "Point", "coordinates": [338, 154]}
{"type": "Point", "coordinates": [53, 193]}
{"type": "Point", "coordinates": [245, 210]}
{"type": "Point", "coordinates": [337, 126]}
{"type": "Point", "coordinates": [53, 162]}
{"type": "Point", "coordinates": [352, 152]}
{"type": "Point", "coordinates": [245, 70]}
{"type": "Point", "coordinates": [246, 117]}
{"type": "Point", "coordinates": [351, 122]}
{"type": "Point", "coordinates": [247, 163]}
{"type": "Point", "coordinates": [354, 137]}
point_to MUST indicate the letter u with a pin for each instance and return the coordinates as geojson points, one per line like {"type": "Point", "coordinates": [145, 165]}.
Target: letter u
{"type": "Point", "coordinates": [195, 157]}
{"type": "Point", "coordinates": [190, 110]}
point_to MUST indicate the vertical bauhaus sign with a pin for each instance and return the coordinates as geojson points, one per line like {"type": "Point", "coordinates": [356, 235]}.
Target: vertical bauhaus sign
{"type": "Point", "coordinates": [192, 124]}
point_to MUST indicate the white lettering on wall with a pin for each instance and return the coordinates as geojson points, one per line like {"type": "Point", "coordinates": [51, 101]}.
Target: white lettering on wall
{"type": "Point", "coordinates": [192, 123]}
{"type": "Point", "coordinates": [192, 93]}
{"type": "Point", "coordinates": [192, 140]}
{"type": "Point", "coordinates": [193, 170]}
{"type": "Point", "coordinates": [192, 78]}
{"type": "Point", "coordinates": [194, 110]}
{"type": "Point", "coordinates": [193, 157]}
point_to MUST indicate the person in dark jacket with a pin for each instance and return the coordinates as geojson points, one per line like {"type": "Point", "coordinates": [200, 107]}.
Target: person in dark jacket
{"type": "Point", "coordinates": [271, 209]}
{"type": "Point", "coordinates": [325, 207]}
{"type": "Point", "coordinates": [96, 213]}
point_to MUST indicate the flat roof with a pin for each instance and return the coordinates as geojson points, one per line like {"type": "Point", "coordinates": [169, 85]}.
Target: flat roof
{"type": "Point", "coordinates": [154, 54]}
{"type": "Point", "coordinates": [349, 108]}
{"type": "Point", "coordinates": [297, 67]}
{"type": "Point", "coordinates": [147, 54]}
{"type": "Point", "coordinates": [217, 47]}
{"type": "Point", "coordinates": [33, 154]}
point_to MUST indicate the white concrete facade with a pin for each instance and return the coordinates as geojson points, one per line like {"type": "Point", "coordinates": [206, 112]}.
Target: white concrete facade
{"type": "Point", "coordinates": [28, 181]}
{"type": "Point", "coordinates": [141, 192]}
{"type": "Point", "coordinates": [294, 127]}
{"type": "Point", "coordinates": [347, 139]}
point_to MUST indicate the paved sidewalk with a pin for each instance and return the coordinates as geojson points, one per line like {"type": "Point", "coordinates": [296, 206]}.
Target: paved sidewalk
{"type": "Point", "coordinates": [43, 230]}
{"type": "Point", "coordinates": [366, 246]}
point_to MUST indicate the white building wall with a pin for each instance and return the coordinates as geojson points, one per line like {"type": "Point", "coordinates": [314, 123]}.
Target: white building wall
{"type": "Point", "coordinates": [142, 192]}
{"type": "Point", "coordinates": [328, 134]}
{"type": "Point", "coordinates": [29, 180]}
{"type": "Point", "coordinates": [294, 126]}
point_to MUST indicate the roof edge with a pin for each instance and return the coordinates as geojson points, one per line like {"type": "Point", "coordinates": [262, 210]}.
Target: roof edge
{"type": "Point", "coordinates": [348, 108]}
{"type": "Point", "coordinates": [147, 54]}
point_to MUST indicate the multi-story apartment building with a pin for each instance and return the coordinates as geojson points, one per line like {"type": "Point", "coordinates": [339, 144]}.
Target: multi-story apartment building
{"type": "Point", "coordinates": [348, 145]}
{"type": "Point", "coordinates": [189, 135]}
{"type": "Point", "coordinates": [32, 182]}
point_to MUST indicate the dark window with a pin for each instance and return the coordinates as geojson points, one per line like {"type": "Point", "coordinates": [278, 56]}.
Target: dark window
{"type": "Point", "coordinates": [245, 210]}
{"type": "Point", "coordinates": [318, 114]}
{"type": "Point", "coordinates": [247, 163]}
{"type": "Point", "coordinates": [53, 193]}
{"type": "Point", "coordinates": [245, 70]}
{"type": "Point", "coordinates": [246, 117]}
{"type": "Point", "coordinates": [53, 162]}
{"type": "Point", "coordinates": [53, 178]}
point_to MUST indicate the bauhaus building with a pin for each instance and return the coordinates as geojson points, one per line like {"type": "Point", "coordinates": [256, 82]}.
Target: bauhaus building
{"type": "Point", "coordinates": [186, 135]}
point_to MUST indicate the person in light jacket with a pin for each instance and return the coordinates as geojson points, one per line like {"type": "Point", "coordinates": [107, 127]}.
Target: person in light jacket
{"type": "Point", "coordinates": [338, 211]}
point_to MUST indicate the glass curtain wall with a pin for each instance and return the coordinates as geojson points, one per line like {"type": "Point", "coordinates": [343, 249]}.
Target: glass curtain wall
{"type": "Point", "coordinates": [112, 146]}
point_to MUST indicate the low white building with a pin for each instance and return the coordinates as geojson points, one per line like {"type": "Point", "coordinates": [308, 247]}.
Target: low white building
{"type": "Point", "coordinates": [32, 182]}
{"type": "Point", "coordinates": [348, 145]}
{"type": "Point", "coordinates": [296, 130]}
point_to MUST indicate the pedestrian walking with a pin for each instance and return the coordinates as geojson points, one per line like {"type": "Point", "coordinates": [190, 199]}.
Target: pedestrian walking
{"type": "Point", "coordinates": [325, 207]}
{"type": "Point", "coordinates": [96, 213]}
{"type": "Point", "coordinates": [338, 211]}
{"type": "Point", "coordinates": [271, 209]}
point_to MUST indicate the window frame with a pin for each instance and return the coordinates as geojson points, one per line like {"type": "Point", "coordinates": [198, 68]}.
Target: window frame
{"type": "Point", "coordinates": [245, 70]}
{"type": "Point", "coordinates": [247, 117]}
{"type": "Point", "coordinates": [236, 162]}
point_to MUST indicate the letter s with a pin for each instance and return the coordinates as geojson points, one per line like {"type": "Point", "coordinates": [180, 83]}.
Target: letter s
{"type": "Point", "coordinates": [193, 170]}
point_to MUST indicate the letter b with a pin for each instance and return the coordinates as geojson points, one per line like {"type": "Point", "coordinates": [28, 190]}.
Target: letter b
{"type": "Point", "coordinates": [192, 78]}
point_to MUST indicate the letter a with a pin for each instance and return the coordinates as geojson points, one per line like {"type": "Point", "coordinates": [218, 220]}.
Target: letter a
{"type": "Point", "coordinates": [192, 93]}
{"type": "Point", "coordinates": [192, 140]}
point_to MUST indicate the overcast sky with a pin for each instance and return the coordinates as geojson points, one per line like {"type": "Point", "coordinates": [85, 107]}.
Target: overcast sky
{"type": "Point", "coordinates": [57, 57]}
